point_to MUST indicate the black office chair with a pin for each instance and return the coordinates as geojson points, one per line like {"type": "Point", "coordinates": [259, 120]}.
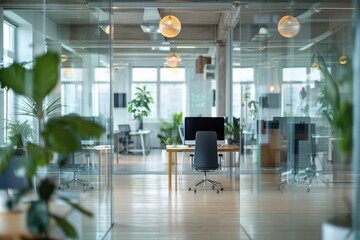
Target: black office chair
{"type": "Point", "coordinates": [124, 137]}
{"type": "Point", "coordinates": [206, 158]}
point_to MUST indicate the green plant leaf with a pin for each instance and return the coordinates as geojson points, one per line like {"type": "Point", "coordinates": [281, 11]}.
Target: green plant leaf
{"type": "Point", "coordinates": [69, 129]}
{"type": "Point", "coordinates": [37, 218]}
{"type": "Point", "coordinates": [52, 109]}
{"type": "Point", "coordinates": [77, 207]}
{"type": "Point", "coordinates": [45, 75]}
{"type": "Point", "coordinates": [13, 77]}
{"type": "Point", "coordinates": [5, 157]}
{"type": "Point", "coordinates": [46, 189]}
{"type": "Point", "coordinates": [139, 106]}
{"type": "Point", "coordinates": [61, 138]}
{"type": "Point", "coordinates": [35, 83]}
{"type": "Point", "coordinates": [331, 87]}
{"type": "Point", "coordinates": [36, 156]}
{"type": "Point", "coordinates": [65, 226]}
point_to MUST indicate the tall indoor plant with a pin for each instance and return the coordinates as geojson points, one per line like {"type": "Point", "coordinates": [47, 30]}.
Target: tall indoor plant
{"type": "Point", "coordinates": [139, 106]}
{"type": "Point", "coordinates": [59, 136]}
{"type": "Point", "coordinates": [337, 109]}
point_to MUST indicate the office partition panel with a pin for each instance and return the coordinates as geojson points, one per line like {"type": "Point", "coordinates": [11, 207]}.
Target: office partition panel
{"type": "Point", "coordinates": [293, 176]}
{"type": "Point", "coordinates": [85, 89]}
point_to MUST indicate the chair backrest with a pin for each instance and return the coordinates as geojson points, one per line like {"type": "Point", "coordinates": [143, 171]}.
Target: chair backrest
{"type": "Point", "coordinates": [206, 157]}
{"type": "Point", "coordinates": [124, 129]}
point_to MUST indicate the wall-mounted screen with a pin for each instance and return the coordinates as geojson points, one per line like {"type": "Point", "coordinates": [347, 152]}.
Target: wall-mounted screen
{"type": "Point", "coordinates": [119, 100]}
{"type": "Point", "coordinates": [270, 100]}
{"type": "Point", "coordinates": [195, 124]}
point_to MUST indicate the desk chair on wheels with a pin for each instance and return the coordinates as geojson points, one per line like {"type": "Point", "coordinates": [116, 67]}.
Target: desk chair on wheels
{"type": "Point", "coordinates": [124, 137]}
{"type": "Point", "coordinates": [303, 132]}
{"type": "Point", "coordinates": [67, 164]}
{"type": "Point", "coordinates": [205, 158]}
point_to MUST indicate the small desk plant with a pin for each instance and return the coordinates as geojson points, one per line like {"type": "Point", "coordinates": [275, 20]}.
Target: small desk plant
{"type": "Point", "coordinates": [169, 133]}
{"type": "Point", "coordinates": [58, 135]}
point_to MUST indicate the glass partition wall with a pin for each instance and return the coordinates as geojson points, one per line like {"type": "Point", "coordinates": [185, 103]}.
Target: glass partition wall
{"type": "Point", "coordinates": [292, 175]}
{"type": "Point", "coordinates": [84, 88]}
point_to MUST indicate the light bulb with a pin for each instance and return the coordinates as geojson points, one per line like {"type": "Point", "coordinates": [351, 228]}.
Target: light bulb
{"type": "Point", "coordinates": [173, 60]}
{"type": "Point", "coordinates": [315, 66]}
{"type": "Point", "coordinates": [343, 59]}
{"type": "Point", "coordinates": [288, 26]}
{"type": "Point", "coordinates": [170, 26]}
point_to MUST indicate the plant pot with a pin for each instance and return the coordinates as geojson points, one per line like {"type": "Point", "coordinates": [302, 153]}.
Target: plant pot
{"type": "Point", "coordinates": [333, 231]}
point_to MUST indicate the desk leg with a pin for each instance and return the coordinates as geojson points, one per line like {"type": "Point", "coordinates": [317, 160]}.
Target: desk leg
{"type": "Point", "coordinates": [330, 150]}
{"type": "Point", "coordinates": [142, 143]}
{"type": "Point", "coordinates": [117, 148]}
{"type": "Point", "coordinates": [169, 169]}
{"type": "Point", "coordinates": [175, 162]}
{"type": "Point", "coordinates": [99, 153]}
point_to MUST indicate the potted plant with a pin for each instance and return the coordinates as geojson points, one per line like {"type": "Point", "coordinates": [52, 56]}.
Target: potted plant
{"type": "Point", "coordinates": [19, 132]}
{"type": "Point", "coordinates": [59, 135]}
{"type": "Point", "coordinates": [139, 107]}
{"type": "Point", "coordinates": [169, 132]}
{"type": "Point", "coordinates": [232, 132]}
{"type": "Point", "coordinates": [337, 109]}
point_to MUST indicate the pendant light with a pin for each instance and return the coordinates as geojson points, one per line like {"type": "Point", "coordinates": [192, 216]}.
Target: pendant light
{"type": "Point", "coordinates": [288, 26]}
{"type": "Point", "coordinates": [343, 58]}
{"type": "Point", "coordinates": [173, 60]}
{"type": "Point", "coordinates": [170, 26]}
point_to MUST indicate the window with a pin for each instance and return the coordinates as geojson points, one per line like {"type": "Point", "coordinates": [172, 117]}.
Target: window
{"type": "Point", "coordinates": [8, 58]}
{"type": "Point", "coordinates": [243, 82]}
{"type": "Point", "coordinates": [9, 42]}
{"type": "Point", "coordinates": [243, 74]}
{"type": "Point", "coordinates": [71, 90]}
{"type": "Point", "coordinates": [167, 86]}
{"type": "Point", "coordinates": [72, 102]}
{"type": "Point", "coordinates": [172, 74]}
{"type": "Point", "coordinates": [144, 74]}
{"type": "Point", "coordinates": [102, 74]}
{"type": "Point", "coordinates": [299, 91]}
{"type": "Point", "coordinates": [294, 74]}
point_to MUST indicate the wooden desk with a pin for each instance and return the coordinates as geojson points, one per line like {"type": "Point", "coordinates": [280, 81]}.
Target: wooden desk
{"type": "Point", "coordinates": [173, 150]}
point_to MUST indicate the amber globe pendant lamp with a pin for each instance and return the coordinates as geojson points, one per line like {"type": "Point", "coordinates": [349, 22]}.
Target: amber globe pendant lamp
{"type": "Point", "coordinates": [170, 26]}
{"type": "Point", "coordinates": [288, 26]}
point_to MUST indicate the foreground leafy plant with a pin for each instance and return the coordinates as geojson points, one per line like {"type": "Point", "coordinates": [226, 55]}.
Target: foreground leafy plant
{"type": "Point", "coordinates": [337, 109]}
{"type": "Point", "coordinates": [59, 135]}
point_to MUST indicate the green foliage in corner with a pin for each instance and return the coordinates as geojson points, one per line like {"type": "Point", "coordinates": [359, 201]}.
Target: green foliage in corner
{"type": "Point", "coordinates": [59, 135]}
{"type": "Point", "coordinates": [335, 107]}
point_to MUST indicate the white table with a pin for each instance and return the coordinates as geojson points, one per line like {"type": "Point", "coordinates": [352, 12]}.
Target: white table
{"type": "Point", "coordinates": [141, 134]}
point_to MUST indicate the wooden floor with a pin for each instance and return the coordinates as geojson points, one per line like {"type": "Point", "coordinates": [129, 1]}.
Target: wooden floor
{"type": "Point", "coordinates": [250, 207]}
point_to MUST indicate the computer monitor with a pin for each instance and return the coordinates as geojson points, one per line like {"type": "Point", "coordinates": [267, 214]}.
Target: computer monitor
{"type": "Point", "coordinates": [195, 124]}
